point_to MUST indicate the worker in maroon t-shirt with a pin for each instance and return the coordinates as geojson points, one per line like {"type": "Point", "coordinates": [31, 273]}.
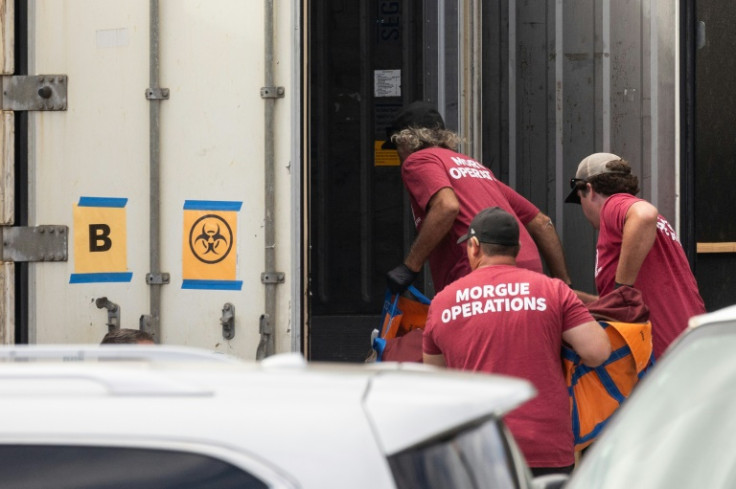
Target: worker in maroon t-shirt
{"type": "Point", "coordinates": [508, 320]}
{"type": "Point", "coordinates": [446, 190]}
{"type": "Point", "coordinates": [636, 246]}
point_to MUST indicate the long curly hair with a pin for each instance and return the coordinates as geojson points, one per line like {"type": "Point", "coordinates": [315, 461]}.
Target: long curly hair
{"type": "Point", "coordinates": [416, 138]}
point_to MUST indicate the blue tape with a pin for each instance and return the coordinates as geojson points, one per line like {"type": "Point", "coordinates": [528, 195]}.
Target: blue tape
{"type": "Point", "coordinates": [212, 284]}
{"type": "Point", "coordinates": [88, 278]}
{"type": "Point", "coordinates": [212, 205]}
{"type": "Point", "coordinates": [102, 202]}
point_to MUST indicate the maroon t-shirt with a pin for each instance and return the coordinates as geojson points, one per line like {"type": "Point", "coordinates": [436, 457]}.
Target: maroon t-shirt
{"type": "Point", "coordinates": [427, 171]}
{"type": "Point", "coordinates": [507, 320]}
{"type": "Point", "coordinates": [665, 280]}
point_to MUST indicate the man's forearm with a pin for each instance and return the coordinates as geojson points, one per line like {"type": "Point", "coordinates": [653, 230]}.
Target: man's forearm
{"type": "Point", "coordinates": [639, 234]}
{"type": "Point", "coordinates": [434, 229]}
{"type": "Point", "coordinates": [443, 209]}
{"type": "Point", "coordinates": [548, 242]}
{"type": "Point", "coordinates": [585, 297]}
{"type": "Point", "coordinates": [436, 360]}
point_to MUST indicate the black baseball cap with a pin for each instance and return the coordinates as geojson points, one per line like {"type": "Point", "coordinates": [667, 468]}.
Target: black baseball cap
{"type": "Point", "coordinates": [493, 225]}
{"type": "Point", "coordinates": [416, 114]}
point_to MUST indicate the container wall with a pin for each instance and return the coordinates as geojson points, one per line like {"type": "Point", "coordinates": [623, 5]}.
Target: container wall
{"type": "Point", "coordinates": [212, 162]}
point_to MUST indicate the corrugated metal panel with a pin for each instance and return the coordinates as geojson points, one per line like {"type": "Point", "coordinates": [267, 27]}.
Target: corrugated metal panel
{"type": "Point", "coordinates": [580, 77]}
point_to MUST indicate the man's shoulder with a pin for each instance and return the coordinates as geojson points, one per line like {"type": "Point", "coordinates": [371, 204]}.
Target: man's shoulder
{"type": "Point", "coordinates": [619, 203]}
{"type": "Point", "coordinates": [505, 273]}
{"type": "Point", "coordinates": [449, 291]}
{"type": "Point", "coordinates": [419, 159]}
{"type": "Point", "coordinates": [433, 152]}
{"type": "Point", "coordinates": [622, 199]}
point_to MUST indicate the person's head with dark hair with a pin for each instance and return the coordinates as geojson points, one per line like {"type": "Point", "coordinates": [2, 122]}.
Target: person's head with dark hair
{"type": "Point", "coordinates": [127, 336]}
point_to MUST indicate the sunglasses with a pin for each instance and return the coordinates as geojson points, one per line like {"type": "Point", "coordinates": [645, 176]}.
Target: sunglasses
{"type": "Point", "coordinates": [574, 182]}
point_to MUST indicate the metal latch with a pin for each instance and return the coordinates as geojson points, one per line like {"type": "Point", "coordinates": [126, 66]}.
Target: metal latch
{"type": "Point", "coordinates": [33, 244]}
{"type": "Point", "coordinates": [113, 312]}
{"type": "Point", "coordinates": [227, 320]}
{"type": "Point", "coordinates": [700, 38]}
{"type": "Point", "coordinates": [36, 92]}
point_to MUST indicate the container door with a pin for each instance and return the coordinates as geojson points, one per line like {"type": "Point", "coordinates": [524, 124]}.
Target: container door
{"type": "Point", "coordinates": [89, 168]}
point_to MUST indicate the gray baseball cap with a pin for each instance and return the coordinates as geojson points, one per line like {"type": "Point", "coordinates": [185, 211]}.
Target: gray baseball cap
{"type": "Point", "coordinates": [591, 166]}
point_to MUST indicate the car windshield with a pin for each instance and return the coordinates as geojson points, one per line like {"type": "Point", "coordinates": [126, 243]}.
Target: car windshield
{"type": "Point", "coordinates": [478, 458]}
{"type": "Point", "coordinates": [678, 429]}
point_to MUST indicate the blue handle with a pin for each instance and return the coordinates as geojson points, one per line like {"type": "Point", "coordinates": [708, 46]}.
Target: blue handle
{"type": "Point", "coordinates": [379, 344]}
{"type": "Point", "coordinates": [419, 296]}
{"type": "Point", "coordinates": [389, 307]}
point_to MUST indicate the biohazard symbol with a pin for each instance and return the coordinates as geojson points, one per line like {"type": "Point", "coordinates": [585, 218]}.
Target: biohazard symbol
{"type": "Point", "coordinates": [210, 238]}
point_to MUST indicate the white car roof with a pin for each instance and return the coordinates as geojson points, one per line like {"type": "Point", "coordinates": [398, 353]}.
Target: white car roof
{"type": "Point", "coordinates": [721, 315]}
{"type": "Point", "coordinates": [281, 409]}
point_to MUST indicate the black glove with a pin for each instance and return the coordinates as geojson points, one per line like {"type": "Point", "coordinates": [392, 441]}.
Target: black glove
{"type": "Point", "coordinates": [400, 278]}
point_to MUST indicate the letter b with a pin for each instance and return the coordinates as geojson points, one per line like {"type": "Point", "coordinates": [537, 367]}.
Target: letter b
{"type": "Point", "coordinates": [99, 237]}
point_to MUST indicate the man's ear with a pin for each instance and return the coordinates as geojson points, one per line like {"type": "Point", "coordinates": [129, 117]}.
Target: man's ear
{"type": "Point", "coordinates": [588, 188]}
{"type": "Point", "coordinates": [475, 249]}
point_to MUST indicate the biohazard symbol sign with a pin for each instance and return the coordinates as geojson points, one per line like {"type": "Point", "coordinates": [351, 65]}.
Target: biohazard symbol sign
{"type": "Point", "coordinates": [209, 244]}
{"type": "Point", "coordinates": [211, 238]}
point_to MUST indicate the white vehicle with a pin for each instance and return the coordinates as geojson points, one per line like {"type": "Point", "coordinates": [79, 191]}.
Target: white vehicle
{"type": "Point", "coordinates": [676, 429]}
{"type": "Point", "coordinates": [157, 417]}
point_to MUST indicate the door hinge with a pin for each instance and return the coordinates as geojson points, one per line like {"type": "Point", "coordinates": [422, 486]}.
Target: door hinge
{"type": "Point", "coordinates": [36, 92]}
{"type": "Point", "coordinates": [157, 94]}
{"type": "Point", "coordinates": [273, 278]}
{"type": "Point", "coordinates": [157, 278]}
{"type": "Point", "coordinates": [34, 244]}
{"type": "Point", "coordinates": [272, 92]}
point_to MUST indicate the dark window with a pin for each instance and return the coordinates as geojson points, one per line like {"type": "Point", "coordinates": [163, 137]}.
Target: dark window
{"type": "Point", "coordinates": [477, 458]}
{"type": "Point", "coordinates": [83, 467]}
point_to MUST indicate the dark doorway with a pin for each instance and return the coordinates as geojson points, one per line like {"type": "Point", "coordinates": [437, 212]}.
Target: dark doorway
{"type": "Point", "coordinates": [715, 151]}
{"type": "Point", "coordinates": [21, 173]}
{"type": "Point", "coordinates": [365, 63]}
